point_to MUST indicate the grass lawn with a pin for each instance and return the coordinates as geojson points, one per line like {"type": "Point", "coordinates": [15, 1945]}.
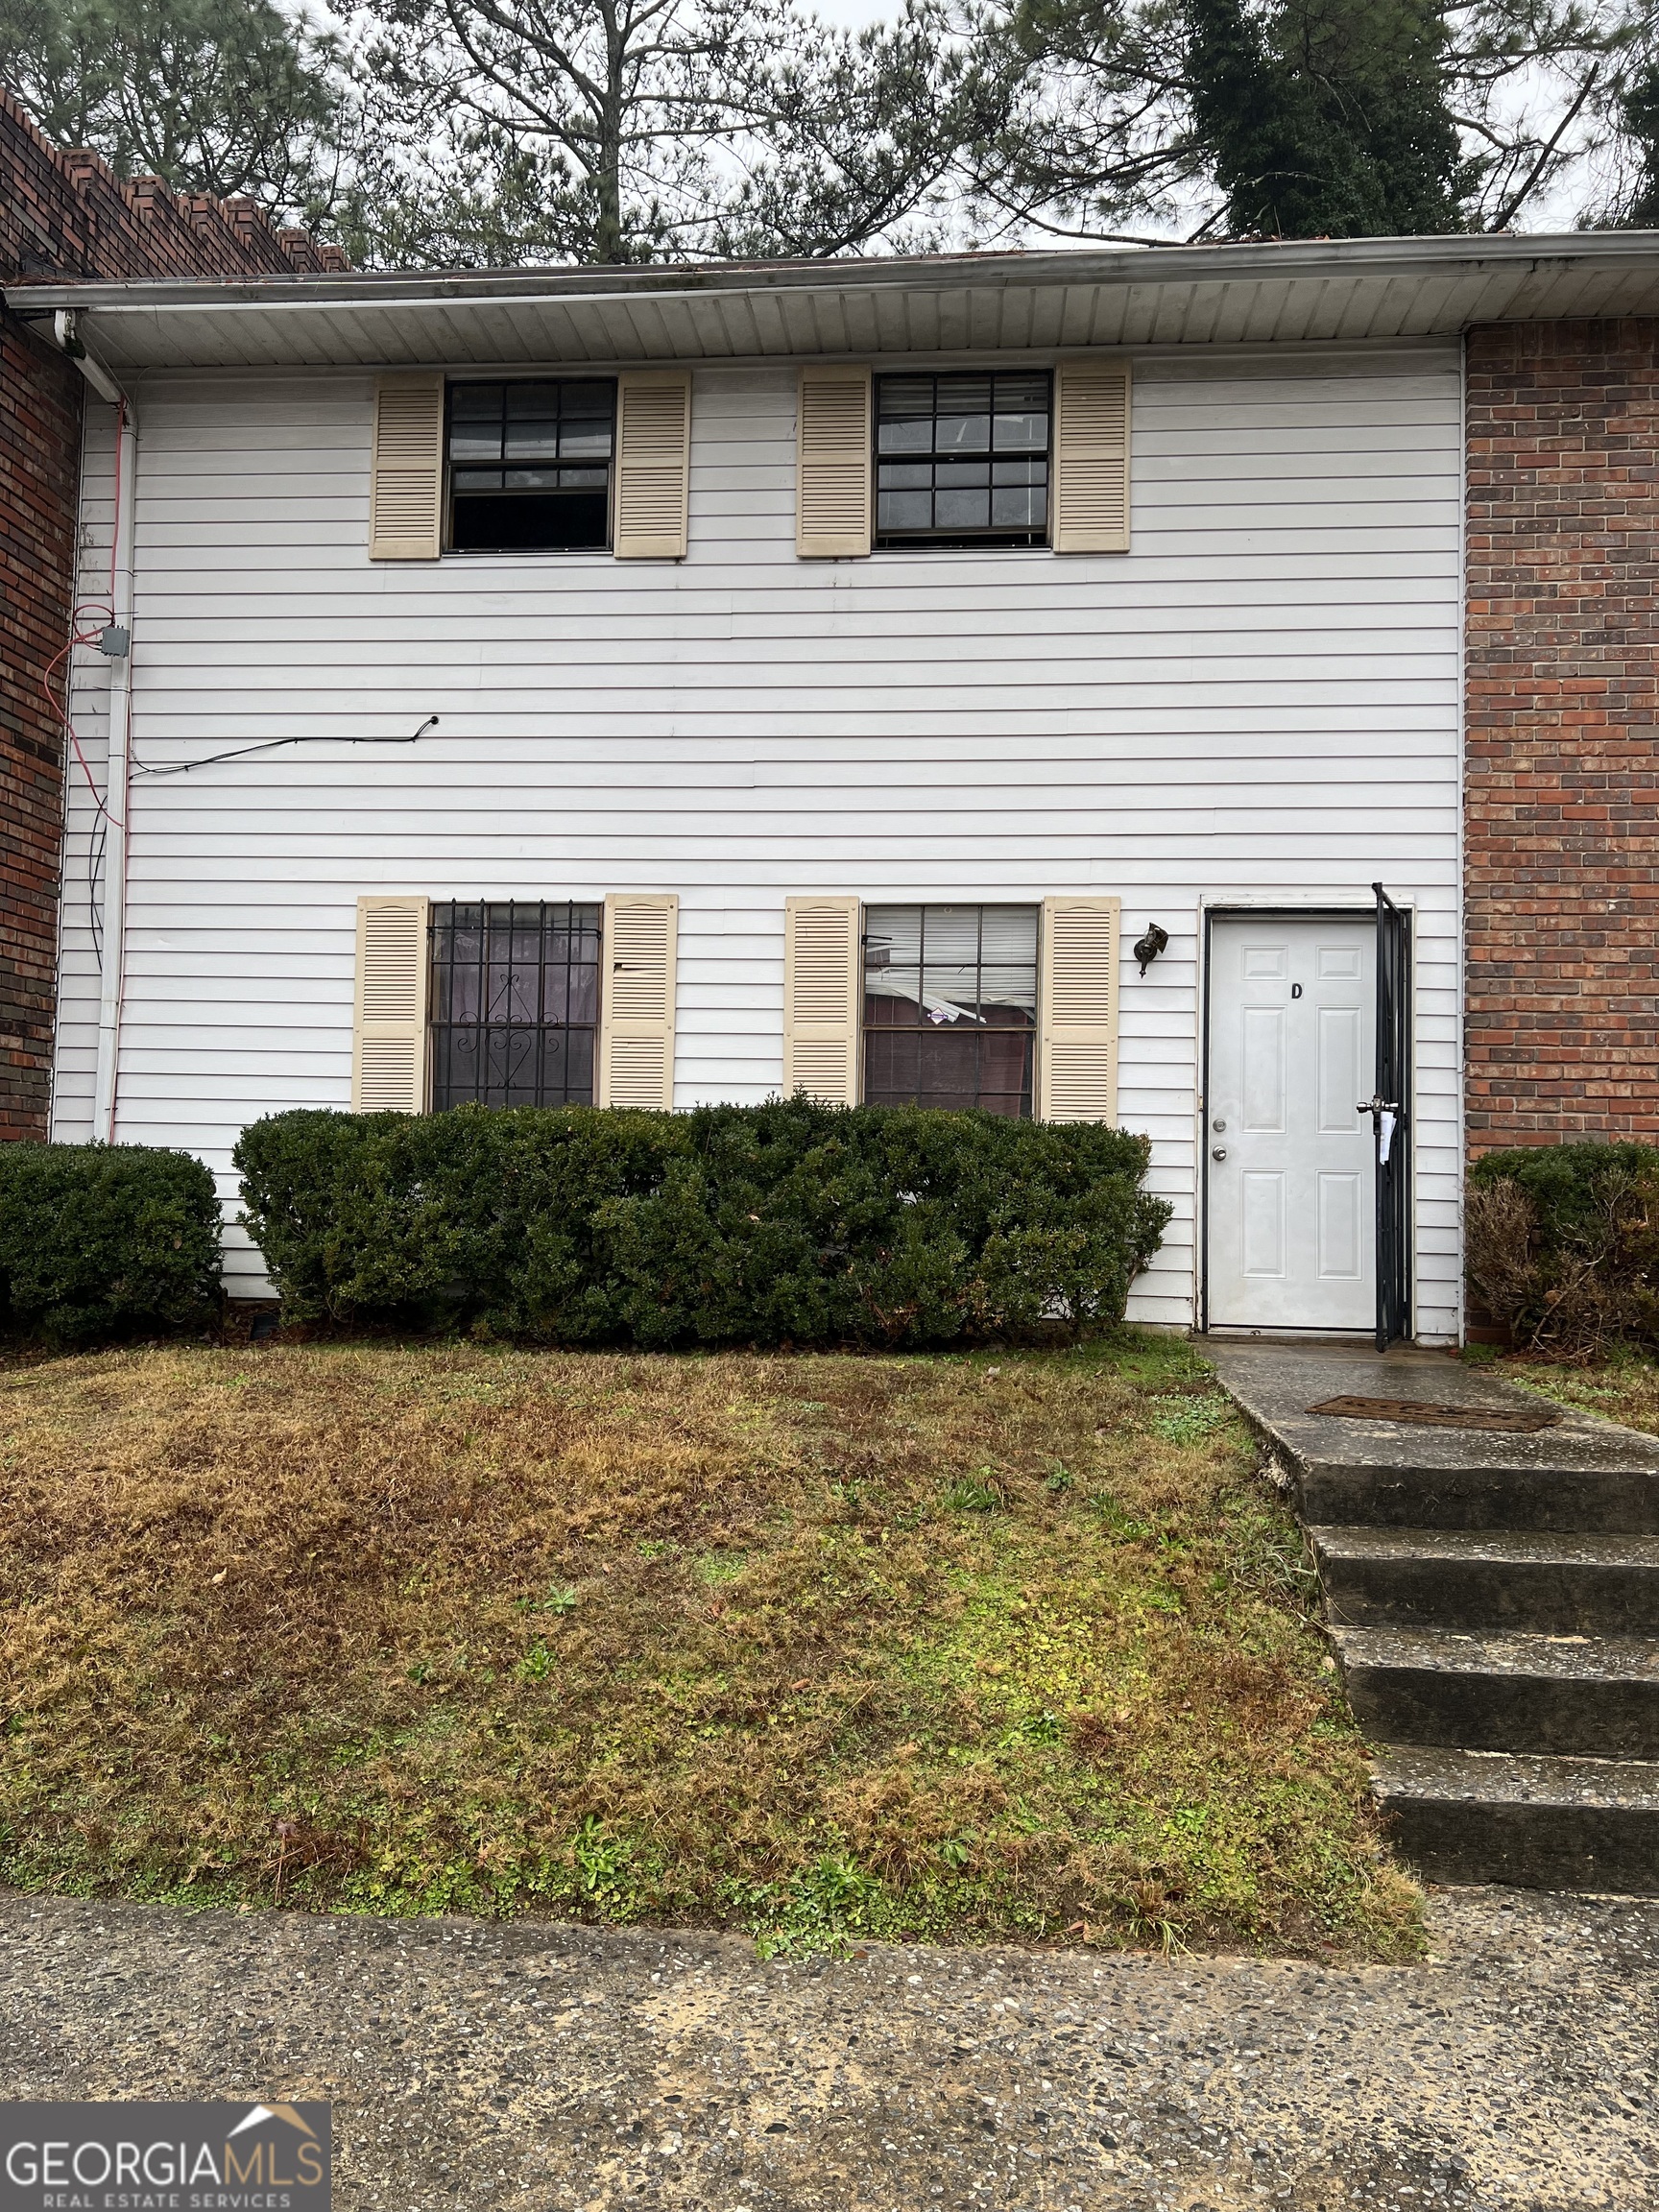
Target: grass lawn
{"type": "Point", "coordinates": [978, 1646]}
{"type": "Point", "coordinates": [1624, 1387]}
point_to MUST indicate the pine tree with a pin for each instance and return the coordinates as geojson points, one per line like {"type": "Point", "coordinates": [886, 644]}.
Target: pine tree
{"type": "Point", "coordinates": [219, 96]}
{"type": "Point", "coordinates": [1326, 118]}
{"type": "Point", "coordinates": [1639, 129]}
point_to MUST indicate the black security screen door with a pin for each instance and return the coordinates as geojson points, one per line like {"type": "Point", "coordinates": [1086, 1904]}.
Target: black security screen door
{"type": "Point", "coordinates": [1391, 1115]}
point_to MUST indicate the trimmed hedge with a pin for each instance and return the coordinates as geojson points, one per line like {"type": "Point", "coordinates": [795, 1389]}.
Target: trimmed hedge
{"type": "Point", "coordinates": [1564, 1243]}
{"type": "Point", "coordinates": [788, 1223]}
{"type": "Point", "coordinates": [105, 1239]}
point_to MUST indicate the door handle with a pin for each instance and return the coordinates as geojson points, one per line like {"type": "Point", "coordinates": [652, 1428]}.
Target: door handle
{"type": "Point", "coordinates": [1219, 1153]}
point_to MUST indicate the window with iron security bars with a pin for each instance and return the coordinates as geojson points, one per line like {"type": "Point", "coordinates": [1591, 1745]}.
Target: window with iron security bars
{"type": "Point", "coordinates": [962, 460]}
{"type": "Point", "coordinates": [950, 1007]}
{"type": "Point", "coordinates": [515, 1002]}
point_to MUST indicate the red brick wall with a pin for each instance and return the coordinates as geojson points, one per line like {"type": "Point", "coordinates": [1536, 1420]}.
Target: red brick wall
{"type": "Point", "coordinates": [66, 215]}
{"type": "Point", "coordinates": [39, 436]}
{"type": "Point", "coordinates": [1562, 789]}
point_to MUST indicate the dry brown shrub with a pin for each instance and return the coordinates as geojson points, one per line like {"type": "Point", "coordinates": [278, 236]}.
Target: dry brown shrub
{"type": "Point", "coordinates": [1592, 1295]}
{"type": "Point", "coordinates": [1499, 1223]}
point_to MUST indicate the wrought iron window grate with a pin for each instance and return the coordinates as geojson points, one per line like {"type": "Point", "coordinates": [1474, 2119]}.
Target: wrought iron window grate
{"type": "Point", "coordinates": [515, 1002]}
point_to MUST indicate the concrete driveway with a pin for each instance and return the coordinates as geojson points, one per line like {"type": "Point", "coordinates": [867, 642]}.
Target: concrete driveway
{"type": "Point", "coordinates": [540, 2066]}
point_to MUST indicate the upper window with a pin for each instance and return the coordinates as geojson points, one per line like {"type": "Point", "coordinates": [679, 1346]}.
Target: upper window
{"type": "Point", "coordinates": [530, 467]}
{"type": "Point", "coordinates": [951, 1006]}
{"type": "Point", "coordinates": [962, 460]}
{"type": "Point", "coordinates": [515, 1003]}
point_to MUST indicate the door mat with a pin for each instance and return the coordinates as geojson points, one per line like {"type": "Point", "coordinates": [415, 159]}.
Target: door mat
{"type": "Point", "coordinates": [1508, 1420]}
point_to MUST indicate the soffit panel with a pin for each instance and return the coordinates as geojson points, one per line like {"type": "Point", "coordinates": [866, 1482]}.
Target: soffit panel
{"type": "Point", "coordinates": [1163, 297]}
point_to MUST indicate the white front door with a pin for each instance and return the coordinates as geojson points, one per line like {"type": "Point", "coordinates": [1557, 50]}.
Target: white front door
{"type": "Point", "coordinates": [1288, 1161]}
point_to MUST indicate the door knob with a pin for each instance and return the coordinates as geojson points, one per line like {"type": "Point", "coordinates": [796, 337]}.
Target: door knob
{"type": "Point", "coordinates": [1219, 1153]}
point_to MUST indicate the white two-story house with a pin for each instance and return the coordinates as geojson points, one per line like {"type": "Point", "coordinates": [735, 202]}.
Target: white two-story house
{"type": "Point", "coordinates": [995, 682]}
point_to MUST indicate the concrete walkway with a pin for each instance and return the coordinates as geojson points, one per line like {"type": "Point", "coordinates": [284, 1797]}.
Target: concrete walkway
{"type": "Point", "coordinates": [1276, 1383]}
{"type": "Point", "coordinates": [1492, 1599]}
{"type": "Point", "coordinates": [494, 2068]}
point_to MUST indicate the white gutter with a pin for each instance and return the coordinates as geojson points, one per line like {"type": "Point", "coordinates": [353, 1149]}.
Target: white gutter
{"type": "Point", "coordinates": [117, 776]}
{"type": "Point", "coordinates": [117, 790]}
{"type": "Point", "coordinates": [65, 330]}
{"type": "Point", "coordinates": [1282, 260]}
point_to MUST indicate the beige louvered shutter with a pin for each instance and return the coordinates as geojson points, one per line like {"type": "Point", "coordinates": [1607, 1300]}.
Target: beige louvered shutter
{"type": "Point", "coordinates": [821, 988]}
{"type": "Point", "coordinates": [406, 475]}
{"type": "Point", "coordinates": [637, 1001]}
{"type": "Point", "coordinates": [832, 462]}
{"type": "Point", "coordinates": [1091, 457]}
{"type": "Point", "coordinates": [1077, 1011]}
{"type": "Point", "coordinates": [388, 1028]}
{"type": "Point", "coordinates": [653, 465]}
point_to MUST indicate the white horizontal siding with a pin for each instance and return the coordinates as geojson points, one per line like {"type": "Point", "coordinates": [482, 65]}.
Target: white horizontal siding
{"type": "Point", "coordinates": [1260, 702]}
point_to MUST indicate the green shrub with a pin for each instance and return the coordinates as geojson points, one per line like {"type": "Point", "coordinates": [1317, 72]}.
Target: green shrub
{"type": "Point", "coordinates": [103, 1240]}
{"type": "Point", "coordinates": [786, 1223]}
{"type": "Point", "coordinates": [1563, 1243]}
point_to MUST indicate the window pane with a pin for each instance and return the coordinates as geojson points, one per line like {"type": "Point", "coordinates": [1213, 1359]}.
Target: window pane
{"type": "Point", "coordinates": [904, 415]}
{"type": "Point", "coordinates": [950, 1006]}
{"type": "Point", "coordinates": [963, 433]}
{"type": "Point", "coordinates": [960, 420]}
{"type": "Point", "coordinates": [533, 440]}
{"type": "Point", "coordinates": [964, 411]}
{"type": "Point", "coordinates": [525, 402]}
{"type": "Point", "coordinates": [1007, 994]}
{"type": "Point", "coordinates": [1022, 393]}
{"type": "Point", "coordinates": [475, 423]}
{"type": "Point", "coordinates": [597, 398]}
{"type": "Point", "coordinates": [585, 440]}
{"type": "Point", "coordinates": [476, 442]}
{"type": "Point", "coordinates": [962, 509]}
{"type": "Point", "coordinates": [530, 521]}
{"type": "Point", "coordinates": [1016, 509]}
{"type": "Point", "coordinates": [904, 511]}
{"type": "Point", "coordinates": [534, 425]}
{"type": "Point", "coordinates": [1022, 434]}
{"type": "Point", "coordinates": [515, 1003]}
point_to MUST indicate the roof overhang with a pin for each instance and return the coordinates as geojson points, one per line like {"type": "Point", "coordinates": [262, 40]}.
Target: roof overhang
{"type": "Point", "coordinates": [1362, 289]}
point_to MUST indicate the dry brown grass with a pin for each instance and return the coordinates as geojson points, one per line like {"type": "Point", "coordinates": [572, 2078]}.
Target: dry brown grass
{"type": "Point", "coordinates": [904, 1646]}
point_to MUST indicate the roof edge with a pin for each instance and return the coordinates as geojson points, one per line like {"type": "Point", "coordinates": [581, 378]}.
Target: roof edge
{"type": "Point", "coordinates": [1418, 258]}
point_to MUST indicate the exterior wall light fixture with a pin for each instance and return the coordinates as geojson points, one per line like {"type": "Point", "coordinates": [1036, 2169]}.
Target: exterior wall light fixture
{"type": "Point", "coordinates": [1148, 947]}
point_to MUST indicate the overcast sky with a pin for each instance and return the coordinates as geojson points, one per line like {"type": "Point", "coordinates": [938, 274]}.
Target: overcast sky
{"type": "Point", "coordinates": [853, 12]}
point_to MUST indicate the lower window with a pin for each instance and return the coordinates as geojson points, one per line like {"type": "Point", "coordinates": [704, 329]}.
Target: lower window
{"type": "Point", "coordinates": [951, 1006]}
{"type": "Point", "coordinates": [515, 1002]}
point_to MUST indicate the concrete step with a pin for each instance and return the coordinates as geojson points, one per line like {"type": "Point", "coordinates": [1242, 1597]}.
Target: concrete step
{"type": "Point", "coordinates": [1587, 1696]}
{"type": "Point", "coordinates": [1553, 1494]}
{"type": "Point", "coordinates": [1540, 1583]}
{"type": "Point", "coordinates": [1542, 1823]}
{"type": "Point", "coordinates": [1578, 1476]}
